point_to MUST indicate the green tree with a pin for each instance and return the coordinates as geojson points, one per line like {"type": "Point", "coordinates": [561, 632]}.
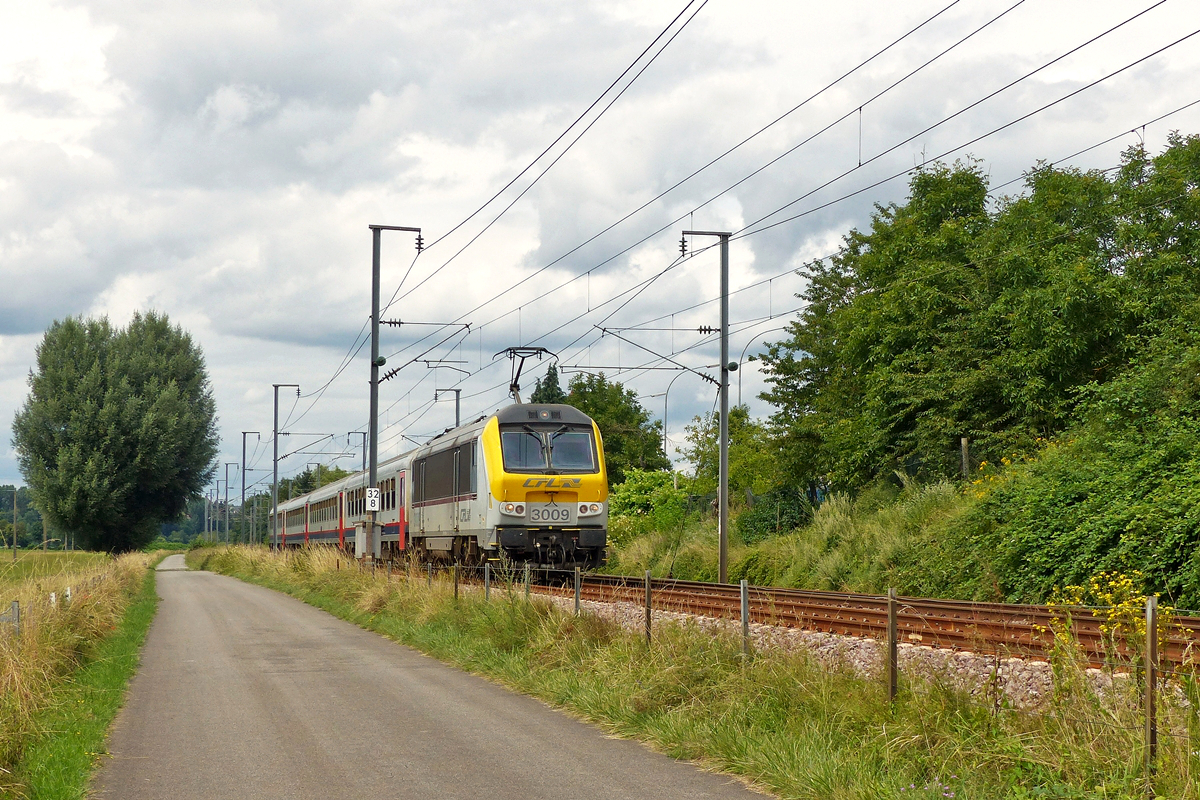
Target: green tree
{"type": "Point", "coordinates": [547, 390]}
{"type": "Point", "coordinates": [307, 481]}
{"type": "Point", "coordinates": [1119, 492]}
{"type": "Point", "coordinates": [952, 318]}
{"type": "Point", "coordinates": [118, 430]}
{"type": "Point", "coordinates": [630, 438]}
{"type": "Point", "coordinates": [29, 520]}
{"type": "Point", "coordinates": [753, 463]}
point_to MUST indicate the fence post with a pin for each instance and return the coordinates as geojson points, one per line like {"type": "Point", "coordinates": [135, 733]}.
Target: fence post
{"type": "Point", "coordinates": [647, 608]}
{"type": "Point", "coordinates": [455, 570]}
{"type": "Point", "coordinates": [16, 616]}
{"type": "Point", "coordinates": [1151, 690]}
{"type": "Point", "coordinates": [487, 580]}
{"type": "Point", "coordinates": [745, 619]}
{"type": "Point", "coordinates": [893, 663]}
{"type": "Point", "coordinates": [526, 580]}
{"type": "Point", "coordinates": [429, 573]}
{"type": "Point", "coordinates": [578, 583]}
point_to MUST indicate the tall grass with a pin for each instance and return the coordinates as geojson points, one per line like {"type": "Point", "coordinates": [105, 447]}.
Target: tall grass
{"type": "Point", "coordinates": [778, 720]}
{"type": "Point", "coordinates": [55, 639]}
{"type": "Point", "coordinates": [878, 540]}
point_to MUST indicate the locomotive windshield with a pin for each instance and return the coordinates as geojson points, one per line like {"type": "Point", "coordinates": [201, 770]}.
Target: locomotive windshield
{"type": "Point", "coordinates": [556, 451]}
{"type": "Point", "coordinates": [523, 451]}
{"type": "Point", "coordinates": [572, 450]}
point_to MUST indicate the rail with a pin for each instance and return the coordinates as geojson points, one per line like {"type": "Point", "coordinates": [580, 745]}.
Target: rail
{"type": "Point", "coordinates": [992, 628]}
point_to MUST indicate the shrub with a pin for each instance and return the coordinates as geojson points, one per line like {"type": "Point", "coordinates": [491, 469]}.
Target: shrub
{"type": "Point", "coordinates": [778, 511]}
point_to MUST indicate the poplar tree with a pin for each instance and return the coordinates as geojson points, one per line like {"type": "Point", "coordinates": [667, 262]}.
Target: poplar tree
{"type": "Point", "coordinates": [118, 430]}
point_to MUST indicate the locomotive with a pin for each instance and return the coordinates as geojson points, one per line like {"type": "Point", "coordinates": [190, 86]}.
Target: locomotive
{"type": "Point", "coordinates": [527, 482]}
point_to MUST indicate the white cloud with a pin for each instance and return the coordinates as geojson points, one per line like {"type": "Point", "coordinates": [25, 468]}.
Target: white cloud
{"type": "Point", "coordinates": [232, 106]}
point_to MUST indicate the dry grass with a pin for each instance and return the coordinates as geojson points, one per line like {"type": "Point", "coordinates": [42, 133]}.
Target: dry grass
{"type": "Point", "coordinates": [55, 639]}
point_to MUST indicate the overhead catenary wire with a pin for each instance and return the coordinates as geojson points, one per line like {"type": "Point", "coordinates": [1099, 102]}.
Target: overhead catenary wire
{"type": "Point", "coordinates": [1005, 126]}
{"type": "Point", "coordinates": [558, 157]}
{"type": "Point", "coordinates": [568, 129]}
{"type": "Point", "coordinates": [765, 280]}
{"type": "Point", "coordinates": [360, 340]}
{"type": "Point", "coordinates": [742, 232]}
{"type": "Point", "coordinates": [717, 159]}
{"type": "Point", "coordinates": [926, 130]}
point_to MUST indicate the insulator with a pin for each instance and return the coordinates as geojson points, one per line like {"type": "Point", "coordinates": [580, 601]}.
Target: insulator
{"type": "Point", "coordinates": [683, 245]}
{"type": "Point", "coordinates": [420, 243]}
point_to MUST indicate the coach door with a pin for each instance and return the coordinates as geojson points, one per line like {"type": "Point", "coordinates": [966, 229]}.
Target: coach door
{"type": "Point", "coordinates": [457, 493]}
{"type": "Point", "coordinates": [341, 522]}
{"type": "Point", "coordinates": [418, 494]}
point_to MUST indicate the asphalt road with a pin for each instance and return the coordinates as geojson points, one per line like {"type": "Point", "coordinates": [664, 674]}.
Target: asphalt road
{"type": "Point", "coordinates": [247, 693]}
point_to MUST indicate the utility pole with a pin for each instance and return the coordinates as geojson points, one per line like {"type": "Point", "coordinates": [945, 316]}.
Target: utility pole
{"type": "Point", "coordinates": [457, 398]}
{"type": "Point", "coordinates": [377, 361]}
{"type": "Point", "coordinates": [275, 465]}
{"type": "Point", "coordinates": [228, 464]}
{"type": "Point", "coordinates": [216, 515]}
{"type": "Point", "coordinates": [726, 368]}
{"type": "Point", "coordinates": [242, 505]}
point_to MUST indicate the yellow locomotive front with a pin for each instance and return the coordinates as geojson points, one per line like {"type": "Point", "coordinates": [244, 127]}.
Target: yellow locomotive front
{"type": "Point", "coordinates": [548, 485]}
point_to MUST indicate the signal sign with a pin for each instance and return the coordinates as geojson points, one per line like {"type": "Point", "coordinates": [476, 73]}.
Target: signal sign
{"type": "Point", "coordinates": [373, 498]}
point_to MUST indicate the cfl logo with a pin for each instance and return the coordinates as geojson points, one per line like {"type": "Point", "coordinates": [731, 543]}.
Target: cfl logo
{"type": "Point", "coordinates": [553, 483]}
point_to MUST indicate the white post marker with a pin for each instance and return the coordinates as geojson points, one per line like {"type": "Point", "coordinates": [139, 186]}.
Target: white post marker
{"type": "Point", "coordinates": [373, 498]}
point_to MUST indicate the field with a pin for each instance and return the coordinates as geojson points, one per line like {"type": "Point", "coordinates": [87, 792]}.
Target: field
{"type": "Point", "coordinates": [50, 565]}
{"type": "Point", "coordinates": [776, 719]}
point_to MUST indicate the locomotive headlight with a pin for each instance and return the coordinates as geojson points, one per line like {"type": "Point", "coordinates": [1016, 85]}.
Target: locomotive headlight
{"type": "Point", "coordinates": [516, 509]}
{"type": "Point", "coordinates": [588, 509]}
{"type": "Point", "coordinates": [520, 510]}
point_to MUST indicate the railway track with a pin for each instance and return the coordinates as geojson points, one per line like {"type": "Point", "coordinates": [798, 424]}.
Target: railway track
{"type": "Point", "coordinates": [993, 628]}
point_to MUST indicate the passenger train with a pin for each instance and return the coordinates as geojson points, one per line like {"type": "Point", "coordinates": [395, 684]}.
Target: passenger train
{"type": "Point", "coordinates": [527, 482]}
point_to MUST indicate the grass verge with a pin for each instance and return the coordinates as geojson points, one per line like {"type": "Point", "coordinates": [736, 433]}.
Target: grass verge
{"type": "Point", "coordinates": [64, 677]}
{"type": "Point", "coordinates": [778, 719]}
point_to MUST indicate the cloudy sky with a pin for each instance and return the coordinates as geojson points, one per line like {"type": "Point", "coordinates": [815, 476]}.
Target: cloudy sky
{"type": "Point", "coordinates": [221, 162]}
